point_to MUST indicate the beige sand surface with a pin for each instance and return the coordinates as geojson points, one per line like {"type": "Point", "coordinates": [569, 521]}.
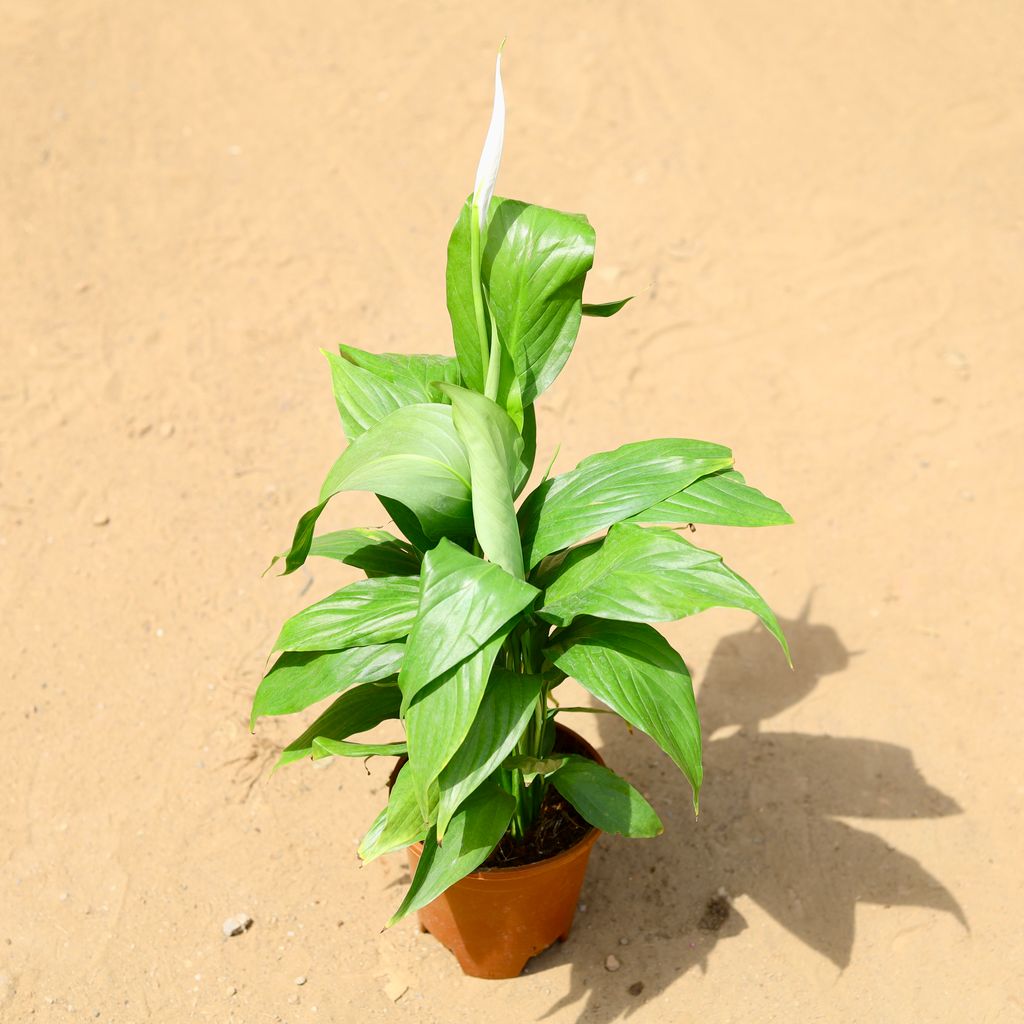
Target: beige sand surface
{"type": "Point", "coordinates": [824, 205]}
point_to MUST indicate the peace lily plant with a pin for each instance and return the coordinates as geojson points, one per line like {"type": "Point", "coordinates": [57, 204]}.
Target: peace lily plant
{"type": "Point", "coordinates": [463, 630]}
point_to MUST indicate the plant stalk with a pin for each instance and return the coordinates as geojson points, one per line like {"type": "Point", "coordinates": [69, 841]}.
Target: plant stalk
{"type": "Point", "coordinates": [478, 293]}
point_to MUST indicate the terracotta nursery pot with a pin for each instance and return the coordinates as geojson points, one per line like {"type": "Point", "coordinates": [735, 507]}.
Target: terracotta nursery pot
{"type": "Point", "coordinates": [495, 919]}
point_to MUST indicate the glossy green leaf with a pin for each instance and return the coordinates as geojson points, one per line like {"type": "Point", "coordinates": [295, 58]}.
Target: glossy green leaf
{"type": "Point", "coordinates": [534, 265]}
{"type": "Point", "coordinates": [464, 601]}
{"type": "Point", "coordinates": [605, 800]}
{"type": "Point", "coordinates": [459, 290]}
{"type": "Point", "coordinates": [719, 499]}
{"type": "Point", "coordinates": [440, 715]}
{"type": "Point", "coordinates": [611, 486]}
{"type": "Point", "coordinates": [400, 824]}
{"type": "Point", "coordinates": [605, 309]}
{"type": "Point", "coordinates": [417, 372]}
{"type": "Point", "coordinates": [507, 706]}
{"type": "Point", "coordinates": [535, 261]}
{"type": "Point", "coordinates": [324, 747]}
{"type": "Point", "coordinates": [494, 449]}
{"type": "Point", "coordinates": [366, 612]}
{"type": "Point", "coordinates": [357, 710]}
{"type": "Point", "coordinates": [363, 398]}
{"type": "Point", "coordinates": [376, 552]}
{"type": "Point", "coordinates": [414, 456]}
{"type": "Point", "coordinates": [631, 668]}
{"type": "Point", "coordinates": [650, 574]}
{"type": "Point", "coordinates": [531, 767]}
{"type": "Point", "coordinates": [474, 831]}
{"type": "Point", "coordinates": [300, 679]}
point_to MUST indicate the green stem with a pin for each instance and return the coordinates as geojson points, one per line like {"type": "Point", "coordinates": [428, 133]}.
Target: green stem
{"type": "Point", "coordinates": [478, 293]}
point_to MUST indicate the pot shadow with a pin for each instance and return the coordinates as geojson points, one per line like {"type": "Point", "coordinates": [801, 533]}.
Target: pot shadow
{"type": "Point", "coordinates": [767, 830]}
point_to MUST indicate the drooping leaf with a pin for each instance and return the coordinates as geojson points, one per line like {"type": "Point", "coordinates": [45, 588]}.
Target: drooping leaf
{"type": "Point", "coordinates": [611, 486]}
{"type": "Point", "coordinates": [357, 710]}
{"type": "Point", "coordinates": [531, 767]}
{"type": "Point", "coordinates": [605, 309]}
{"type": "Point", "coordinates": [474, 831]}
{"type": "Point", "coordinates": [494, 449]}
{"type": "Point", "coordinates": [464, 601]}
{"type": "Point", "coordinates": [376, 552]}
{"type": "Point", "coordinates": [324, 747]}
{"type": "Point", "coordinates": [400, 824]}
{"type": "Point", "coordinates": [605, 799]}
{"type": "Point", "coordinates": [630, 667]}
{"type": "Point", "coordinates": [300, 679]}
{"type": "Point", "coordinates": [365, 612]}
{"type": "Point", "coordinates": [507, 706]}
{"type": "Point", "coordinates": [719, 499]}
{"type": "Point", "coordinates": [650, 574]}
{"type": "Point", "coordinates": [440, 714]}
{"type": "Point", "coordinates": [412, 456]}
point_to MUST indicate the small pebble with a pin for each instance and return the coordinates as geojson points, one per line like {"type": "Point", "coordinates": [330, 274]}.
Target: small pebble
{"type": "Point", "coordinates": [236, 925]}
{"type": "Point", "coordinates": [101, 519]}
{"type": "Point", "coordinates": [612, 962]}
{"type": "Point", "coordinates": [231, 991]}
{"type": "Point", "coordinates": [63, 897]}
{"type": "Point", "coordinates": [300, 980]}
{"type": "Point", "coordinates": [166, 430]}
{"type": "Point", "coordinates": [623, 941]}
{"type": "Point", "coordinates": [636, 988]}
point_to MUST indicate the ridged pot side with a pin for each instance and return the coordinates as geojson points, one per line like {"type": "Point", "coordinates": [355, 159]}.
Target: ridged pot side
{"type": "Point", "coordinates": [495, 920]}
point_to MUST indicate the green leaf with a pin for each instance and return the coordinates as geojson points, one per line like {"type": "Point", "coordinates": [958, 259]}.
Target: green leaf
{"type": "Point", "coordinates": [298, 680]}
{"type": "Point", "coordinates": [414, 456]}
{"type": "Point", "coordinates": [324, 747]}
{"type": "Point", "coordinates": [494, 449]}
{"type": "Point", "coordinates": [605, 309]}
{"type": "Point", "coordinates": [417, 372]}
{"type": "Point", "coordinates": [366, 612]}
{"type": "Point", "coordinates": [719, 499]}
{"type": "Point", "coordinates": [376, 552]}
{"type": "Point", "coordinates": [441, 713]}
{"type": "Point", "coordinates": [400, 824]}
{"type": "Point", "coordinates": [534, 264]}
{"type": "Point", "coordinates": [363, 398]}
{"type": "Point", "coordinates": [459, 289]}
{"type": "Point", "coordinates": [368, 387]}
{"type": "Point", "coordinates": [531, 767]}
{"type": "Point", "coordinates": [507, 706]}
{"type": "Point", "coordinates": [630, 667]}
{"type": "Point", "coordinates": [464, 601]}
{"type": "Point", "coordinates": [357, 710]}
{"type": "Point", "coordinates": [474, 831]}
{"type": "Point", "coordinates": [650, 574]}
{"type": "Point", "coordinates": [604, 799]}
{"type": "Point", "coordinates": [611, 486]}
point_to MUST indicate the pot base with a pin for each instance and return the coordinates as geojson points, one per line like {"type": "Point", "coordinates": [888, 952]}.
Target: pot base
{"type": "Point", "coordinates": [494, 921]}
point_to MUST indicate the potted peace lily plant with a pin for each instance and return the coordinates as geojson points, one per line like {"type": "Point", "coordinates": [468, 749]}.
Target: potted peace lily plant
{"type": "Point", "coordinates": [463, 630]}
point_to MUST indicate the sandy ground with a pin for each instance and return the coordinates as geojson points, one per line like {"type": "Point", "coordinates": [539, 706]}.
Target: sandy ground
{"type": "Point", "coordinates": [823, 203]}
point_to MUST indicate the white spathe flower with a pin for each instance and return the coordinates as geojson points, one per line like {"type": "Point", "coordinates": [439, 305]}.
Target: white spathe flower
{"type": "Point", "coordinates": [490, 158]}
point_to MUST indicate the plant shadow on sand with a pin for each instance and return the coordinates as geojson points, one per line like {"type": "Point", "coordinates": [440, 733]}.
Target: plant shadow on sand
{"type": "Point", "coordinates": [767, 830]}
